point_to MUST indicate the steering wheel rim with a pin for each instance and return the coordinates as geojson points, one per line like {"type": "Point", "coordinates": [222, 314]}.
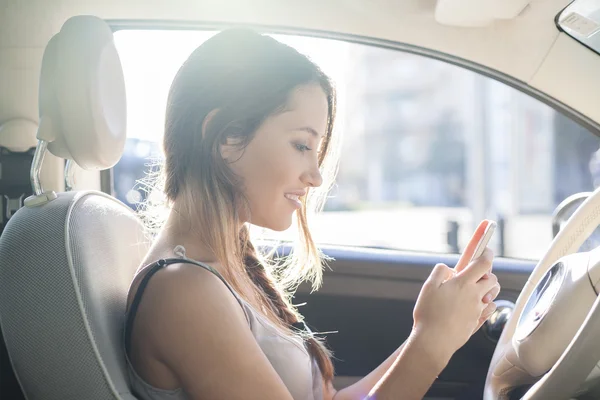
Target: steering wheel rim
{"type": "Point", "coordinates": [582, 353]}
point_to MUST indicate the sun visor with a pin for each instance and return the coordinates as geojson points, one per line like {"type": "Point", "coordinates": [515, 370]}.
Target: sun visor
{"type": "Point", "coordinates": [470, 14]}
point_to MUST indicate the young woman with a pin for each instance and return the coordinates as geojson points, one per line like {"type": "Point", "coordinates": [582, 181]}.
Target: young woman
{"type": "Point", "coordinates": [248, 140]}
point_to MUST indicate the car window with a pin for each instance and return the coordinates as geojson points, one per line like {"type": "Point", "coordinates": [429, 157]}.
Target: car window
{"type": "Point", "coordinates": [428, 148]}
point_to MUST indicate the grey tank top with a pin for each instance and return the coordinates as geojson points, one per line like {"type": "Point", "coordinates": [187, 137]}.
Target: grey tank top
{"type": "Point", "coordinates": [288, 354]}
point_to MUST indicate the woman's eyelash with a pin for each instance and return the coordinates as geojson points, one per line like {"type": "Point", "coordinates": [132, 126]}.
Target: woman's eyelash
{"type": "Point", "coordinates": [302, 147]}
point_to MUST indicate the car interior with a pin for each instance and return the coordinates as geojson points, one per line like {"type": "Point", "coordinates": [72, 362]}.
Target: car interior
{"type": "Point", "coordinates": [451, 111]}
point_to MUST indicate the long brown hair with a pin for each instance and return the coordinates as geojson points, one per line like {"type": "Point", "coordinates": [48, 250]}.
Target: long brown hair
{"type": "Point", "coordinates": [244, 77]}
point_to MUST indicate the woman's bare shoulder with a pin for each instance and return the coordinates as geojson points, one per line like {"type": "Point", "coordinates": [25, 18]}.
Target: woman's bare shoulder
{"type": "Point", "coordinates": [199, 331]}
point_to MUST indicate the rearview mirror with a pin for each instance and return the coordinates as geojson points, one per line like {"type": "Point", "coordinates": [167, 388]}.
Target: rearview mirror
{"type": "Point", "coordinates": [565, 209]}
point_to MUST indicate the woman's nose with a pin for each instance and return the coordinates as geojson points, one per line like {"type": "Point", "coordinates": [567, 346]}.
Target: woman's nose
{"type": "Point", "coordinates": [313, 177]}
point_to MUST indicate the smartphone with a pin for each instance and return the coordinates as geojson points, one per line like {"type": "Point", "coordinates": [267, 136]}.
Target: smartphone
{"type": "Point", "coordinates": [485, 239]}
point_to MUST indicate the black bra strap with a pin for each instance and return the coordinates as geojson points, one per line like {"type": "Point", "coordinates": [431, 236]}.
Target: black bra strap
{"type": "Point", "coordinates": [154, 268]}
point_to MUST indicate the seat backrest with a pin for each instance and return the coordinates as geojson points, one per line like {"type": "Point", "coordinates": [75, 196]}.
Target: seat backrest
{"type": "Point", "coordinates": [67, 259]}
{"type": "Point", "coordinates": [17, 137]}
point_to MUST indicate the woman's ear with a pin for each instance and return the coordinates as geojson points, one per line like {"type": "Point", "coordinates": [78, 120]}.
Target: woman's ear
{"type": "Point", "coordinates": [231, 149]}
{"type": "Point", "coordinates": [207, 120]}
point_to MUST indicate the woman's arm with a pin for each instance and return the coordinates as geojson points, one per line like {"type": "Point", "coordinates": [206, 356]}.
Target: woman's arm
{"type": "Point", "coordinates": [413, 373]}
{"type": "Point", "coordinates": [197, 331]}
{"type": "Point", "coordinates": [360, 389]}
{"type": "Point", "coordinates": [448, 311]}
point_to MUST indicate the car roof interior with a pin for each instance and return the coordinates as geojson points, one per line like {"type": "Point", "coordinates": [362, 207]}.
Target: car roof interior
{"type": "Point", "coordinates": [516, 41]}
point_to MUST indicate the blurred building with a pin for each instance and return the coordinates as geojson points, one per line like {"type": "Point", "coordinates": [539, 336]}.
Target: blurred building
{"type": "Point", "coordinates": [422, 132]}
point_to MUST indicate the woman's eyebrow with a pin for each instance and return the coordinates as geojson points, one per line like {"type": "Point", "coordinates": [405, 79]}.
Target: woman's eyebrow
{"type": "Point", "coordinates": [309, 130]}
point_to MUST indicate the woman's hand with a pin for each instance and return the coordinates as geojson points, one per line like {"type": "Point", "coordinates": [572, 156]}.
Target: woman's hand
{"type": "Point", "coordinates": [463, 262]}
{"type": "Point", "coordinates": [450, 307]}
{"type": "Point", "coordinates": [454, 303]}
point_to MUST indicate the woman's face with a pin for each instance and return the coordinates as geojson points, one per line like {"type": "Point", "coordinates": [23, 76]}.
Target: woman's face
{"type": "Point", "coordinates": [280, 163]}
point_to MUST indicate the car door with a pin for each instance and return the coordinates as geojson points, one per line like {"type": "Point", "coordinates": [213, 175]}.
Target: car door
{"type": "Point", "coordinates": [428, 149]}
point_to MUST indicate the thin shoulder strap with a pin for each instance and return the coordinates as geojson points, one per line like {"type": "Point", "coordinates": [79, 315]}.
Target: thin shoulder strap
{"type": "Point", "coordinates": [154, 268]}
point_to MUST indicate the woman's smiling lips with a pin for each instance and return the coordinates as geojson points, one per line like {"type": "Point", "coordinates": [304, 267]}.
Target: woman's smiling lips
{"type": "Point", "coordinates": [294, 197]}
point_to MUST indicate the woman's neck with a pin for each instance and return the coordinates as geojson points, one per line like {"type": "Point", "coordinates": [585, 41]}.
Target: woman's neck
{"type": "Point", "coordinates": [178, 231]}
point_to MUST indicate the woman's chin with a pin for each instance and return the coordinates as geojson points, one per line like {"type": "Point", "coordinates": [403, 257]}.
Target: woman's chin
{"type": "Point", "coordinates": [276, 225]}
{"type": "Point", "coordinates": [281, 226]}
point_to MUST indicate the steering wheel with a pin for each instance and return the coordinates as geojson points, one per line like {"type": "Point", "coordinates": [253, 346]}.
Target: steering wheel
{"type": "Point", "coordinates": [550, 344]}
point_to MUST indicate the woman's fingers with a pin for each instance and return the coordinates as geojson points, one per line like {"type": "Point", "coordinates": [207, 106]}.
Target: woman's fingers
{"type": "Point", "coordinates": [440, 274]}
{"type": "Point", "coordinates": [470, 249]}
{"type": "Point", "coordinates": [486, 287]}
{"type": "Point", "coordinates": [485, 315]}
{"type": "Point", "coordinates": [478, 268]}
{"type": "Point", "coordinates": [488, 311]}
{"type": "Point", "coordinates": [492, 294]}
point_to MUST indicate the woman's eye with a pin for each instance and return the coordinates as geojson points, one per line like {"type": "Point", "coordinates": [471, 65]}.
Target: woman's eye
{"type": "Point", "coordinates": [302, 147]}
